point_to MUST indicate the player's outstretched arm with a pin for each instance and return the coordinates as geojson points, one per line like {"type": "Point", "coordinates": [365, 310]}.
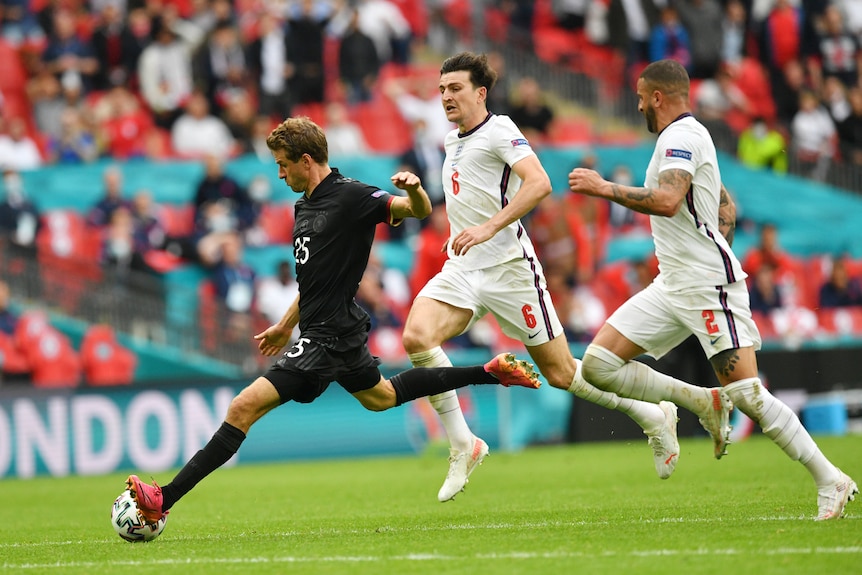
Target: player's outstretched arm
{"type": "Point", "coordinates": [726, 215]}
{"type": "Point", "coordinates": [664, 200]}
{"type": "Point", "coordinates": [417, 204]}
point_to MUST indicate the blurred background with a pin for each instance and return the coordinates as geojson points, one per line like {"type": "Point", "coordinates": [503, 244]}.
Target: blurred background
{"type": "Point", "coordinates": [145, 236]}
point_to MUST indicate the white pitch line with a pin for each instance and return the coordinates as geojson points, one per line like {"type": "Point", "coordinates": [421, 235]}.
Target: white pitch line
{"type": "Point", "coordinates": [524, 555]}
{"type": "Point", "coordinates": [426, 528]}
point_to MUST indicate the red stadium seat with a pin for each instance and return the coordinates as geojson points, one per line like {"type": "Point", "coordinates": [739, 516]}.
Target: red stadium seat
{"type": "Point", "coordinates": [53, 360]}
{"type": "Point", "coordinates": [12, 360]}
{"type": "Point", "coordinates": [104, 360]}
{"type": "Point", "coordinates": [277, 221]}
{"type": "Point", "coordinates": [69, 252]}
{"type": "Point", "coordinates": [383, 126]}
{"type": "Point", "coordinates": [178, 220]}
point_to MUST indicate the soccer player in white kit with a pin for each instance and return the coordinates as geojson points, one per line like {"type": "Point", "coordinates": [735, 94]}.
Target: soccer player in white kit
{"type": "Point", "coordinates": [491, 178]}
{"type": "Point", "coordinates": [700, 288]}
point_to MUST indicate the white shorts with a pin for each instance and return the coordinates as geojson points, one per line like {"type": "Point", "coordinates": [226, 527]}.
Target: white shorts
{"type": "Point", "coordinates": [514, 293]}
{"type": "Point", "coordinates": [658, 320]}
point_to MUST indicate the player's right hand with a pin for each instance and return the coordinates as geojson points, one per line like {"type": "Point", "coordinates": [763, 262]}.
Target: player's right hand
{"type": "Point", "coordinates": [272, 340]}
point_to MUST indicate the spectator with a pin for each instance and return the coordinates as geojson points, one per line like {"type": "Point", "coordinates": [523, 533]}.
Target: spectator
{"type": "Point", "coordinates": [420, 100]}
{"type": "Point", "coordinates": [530, 112]}
{"type": "Point", "coordinates": [424, 158]}
{"type": "Point", "coordinates": [780, 36]}
{"type": "Point", "coordinates": [813, 136]}
{"type": "Point", "coordinates": [256, 144]}
{"type": "Point", "coordinates": [840, 290]}
{"type": "Point", "coordinates": [669, 39]}
{"type": "Point", "coordinates": [149, 231]}
{"type": "Point", "coordinates": [837, 51]}
{"type": "Point", "coordinates": [430, 254]}
{"type": "Point", "coordinates": [19, 217]}
{"type": "Point", "coordinates": [699, 18]}
{"type": "Point", "coordinates": [850, 129]}
{"type": "Point", "coordinates": [197, 133]}
{"type": "Point", "coordinates": [787, 269]}
{"type": "Point", "coordinates": [358, 62]}
{"type": "Point", "coordinates": [221, 66]}
{"type": "Point", "coordinates": [66, 52]}
{"type": "Point", "coordinates": [765, 294]}
{"type": "Point", "coordinates": [384, 23]}
{"type": "Point", "coordinates": [343, 136]}
{"type": "Point", "coordinates": [500, 98]}
{"type": "Point", "coordinates": [18, 151]}
{"type": "Point", "coordinates": [165, 74]}
{"type": "Point", "coordinates": [50, 97]}
{"type": "Point", "coordinates": [734, 33]}
{"type": "Point", "coordinates": [234, 282]}
{"type": "Point", "coordinates": [570, 14]}
{"type": "Point", "coordinates": [834, 97]}
{"type": "Point", "coordinates": [630, 24]}
{"type": "Point", "coordinates": [761, 146]}
{"type": "Point", "coordinates": [276, 293]}
{"type": "Point", "coordinates": [117, 47]}
{"type": "Point", "coordinates": [18, 24]}
{"type": "Point", "coordinates": [123, 124]}
{"type": "Point", "coordinates": [383, 310]}
{"type": "Point", "coordinates": [621, 219]}
{"type": "Point", "coordinates": [722, 104]}
{"type": "Point", "coordinates": [307, 21]}
{"type": "Point", "coordinates": [786, 90]}
{"type": "Point", "coordinates": [8, 318]}
{"type": "Point", "coordinates": [271, 67]}
{"type": "Point", "coordinates": [218, 187]}
{"type": "Point", "coordinates": [76, 143]}
{"type": "Point", "coordinates": [112, 198]}
{"type": "Point", "coordinates": [120, 251]}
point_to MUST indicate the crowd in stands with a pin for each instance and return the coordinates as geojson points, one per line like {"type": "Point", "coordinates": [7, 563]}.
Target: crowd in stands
{"type": "Point", "coordinates": [206, 80]}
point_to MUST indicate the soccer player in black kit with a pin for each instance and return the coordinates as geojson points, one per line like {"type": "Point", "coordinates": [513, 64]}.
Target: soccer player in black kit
{"type": "Point", "coordinates": [335, 220]}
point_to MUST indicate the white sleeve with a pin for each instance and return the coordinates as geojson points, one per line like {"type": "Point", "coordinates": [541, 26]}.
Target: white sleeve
{"type": "Point", "coordinates": [508, 141]}
{"type": "Point", "coordinates": [679, 150]}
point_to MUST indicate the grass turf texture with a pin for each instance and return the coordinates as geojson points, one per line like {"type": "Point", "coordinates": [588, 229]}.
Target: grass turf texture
{"type": "Point", "coordinates": [589, 508]}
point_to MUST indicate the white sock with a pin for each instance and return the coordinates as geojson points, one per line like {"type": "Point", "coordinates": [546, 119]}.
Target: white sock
{"type": "Point", "coordinates": [648, 415]}
{"type": "Point", "coordinates": [446, 404]}
{"type": "Point", "coordinates": [639, 381]}
{"type": "Point", "coordinates": [782, 426]}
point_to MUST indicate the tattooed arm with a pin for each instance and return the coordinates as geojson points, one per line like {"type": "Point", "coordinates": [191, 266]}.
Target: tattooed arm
{"type": "Point", "coordinates": [664, 200]}
{"type": "Point", "coordinates": [726, 215]}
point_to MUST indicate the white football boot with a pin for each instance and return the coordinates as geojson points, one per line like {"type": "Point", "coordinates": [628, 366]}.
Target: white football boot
{"type": "Point", "coordinates": [461, 465]}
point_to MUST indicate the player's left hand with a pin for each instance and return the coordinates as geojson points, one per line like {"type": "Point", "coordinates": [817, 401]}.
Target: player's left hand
{"type": "Point", "coordinates": [407, 181]}
{"type": "Point", "coordinates": [469, 238]}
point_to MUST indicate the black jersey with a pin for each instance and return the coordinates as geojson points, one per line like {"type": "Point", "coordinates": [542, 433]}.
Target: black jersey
{"type": "Point", "coordinates": [332, 240]}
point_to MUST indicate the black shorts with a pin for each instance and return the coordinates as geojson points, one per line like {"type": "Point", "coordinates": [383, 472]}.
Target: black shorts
{"type": "Point", "coordinates": [305, 371]}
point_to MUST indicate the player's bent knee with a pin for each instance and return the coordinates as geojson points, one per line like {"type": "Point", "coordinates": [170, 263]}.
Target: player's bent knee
{"type": "Point", "coordinates": [596, 371]}
{"type": "Point", "coordinates": [376, 403]}
{"type": "Point", "coordinates": [413, 340]}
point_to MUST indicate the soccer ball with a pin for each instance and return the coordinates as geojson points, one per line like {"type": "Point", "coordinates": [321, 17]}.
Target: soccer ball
{"type": "Point", "coordinates": [129, 524]}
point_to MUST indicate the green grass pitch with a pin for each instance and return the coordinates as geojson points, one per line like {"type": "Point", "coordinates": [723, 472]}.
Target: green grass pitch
{"type": "Point", "coordinates": [587, 508]}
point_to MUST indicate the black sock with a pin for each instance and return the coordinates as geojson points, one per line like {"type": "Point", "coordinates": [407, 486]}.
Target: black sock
{"type": "Point", "coordinates": [224, 443]}
{"type": "Point", "coordinates": [423, 381]}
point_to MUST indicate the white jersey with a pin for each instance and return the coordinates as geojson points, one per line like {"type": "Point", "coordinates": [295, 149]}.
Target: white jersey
{"type": "Point", "coordinates": [689, 247]}
{"type": "Point", "coordinates": [478, 182]}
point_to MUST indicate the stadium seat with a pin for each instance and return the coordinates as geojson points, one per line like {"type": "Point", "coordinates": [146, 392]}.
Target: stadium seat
{"type": "Point", "coordinates": [13, 362]}
{"type": "Point", "coordinates": [383, 126]}
{"type": "Point", "coordinates": [178, 219]}
{"type": "Point", "coordinates": [104, 360]}
{"type": "Point", "coordinates": [13, 76]}
{"type": "Point", "coordinates": [277, 221]}
{"type": "Point", "coordinates": [68, 252]}
{"type": "Point", "coordinates": [53, 360]}
{"type": "Point", "coordinates": [841, 321]}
